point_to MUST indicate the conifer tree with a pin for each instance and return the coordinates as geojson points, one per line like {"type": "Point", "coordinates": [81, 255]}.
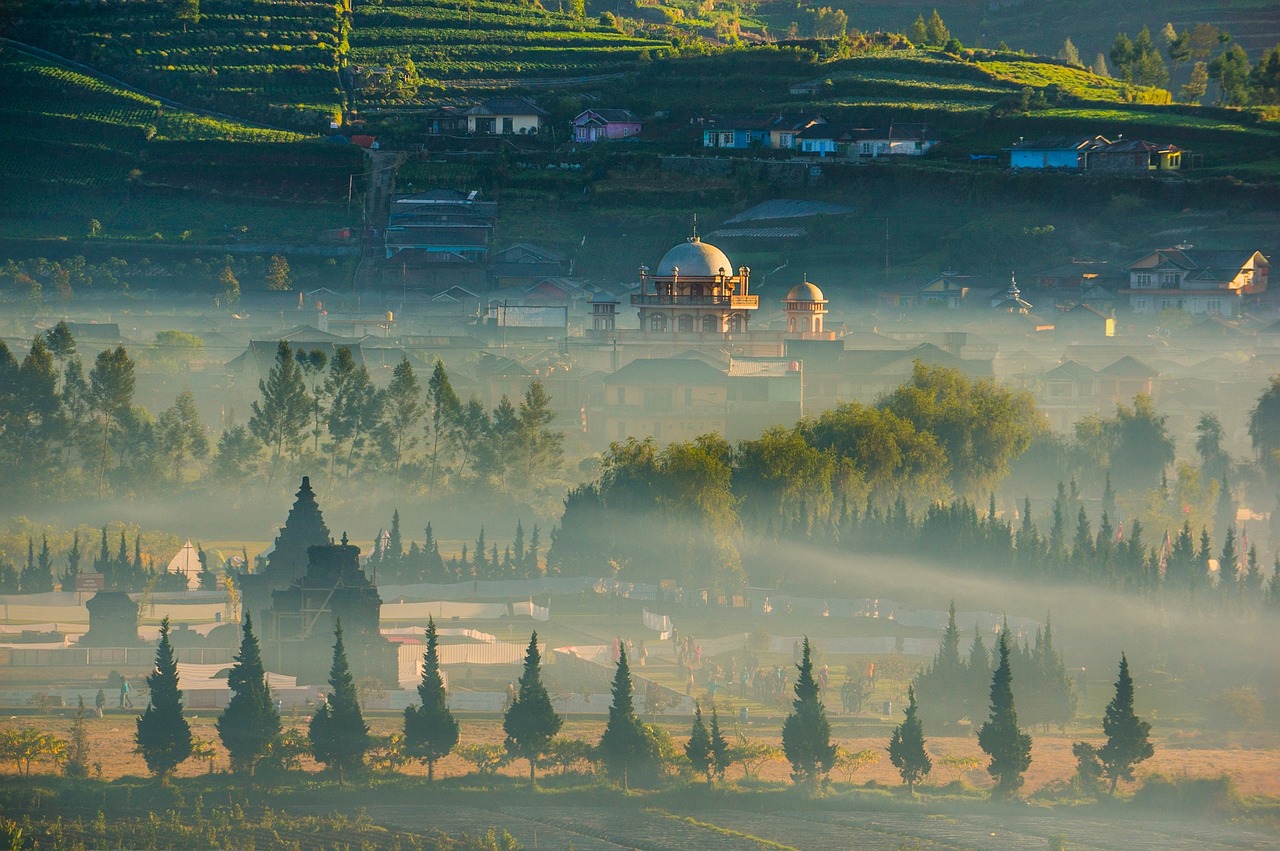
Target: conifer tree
{"type": "Point", "coordinates": [906, 747]}
{"type": "Point", "coordinates": [977, 674]}
{"type": "Point", "coordinates": [430, 730]}
{"type": "Point", "coordinates": [76, 765]}
{"type": "Point", "coordinates": [163, 736]}
{"type": "Point", "coordinates": [941, 686]}
{"type": "Point", "coordinates": [73, 564]}
{"type": "Point", "coordinates": [625, 747]}
{"type": "Point", "coordinates": [250, 723]}
{"type": "Point", "coordinates": [1228, 563]}
{"type": "Point", "coordinates": [530, 721]}
{"type": "Point", "coordinates": [1000, 737]}
{"type": "Point", "coordinates": [806, 734]}
{"type": "Point", "coordinates": [698, 748]}
{"type": "Point", "coordinates": [1128, 737]}
{"type": "Point", "coordinates": [339, 736]}
{"type": "Point", "coordinates": [720, 758]}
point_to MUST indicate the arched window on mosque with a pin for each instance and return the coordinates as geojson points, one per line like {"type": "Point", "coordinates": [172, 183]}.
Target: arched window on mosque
{"type": "Point", "coordinates": [685, 323]}
{"type": "Point", "coordinates": [710, 325]}
{"type": "Point", "coordinates": [657, 322]}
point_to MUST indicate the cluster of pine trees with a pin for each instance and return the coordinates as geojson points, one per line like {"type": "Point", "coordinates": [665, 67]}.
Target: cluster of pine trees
{"type": "Point", "coordinates": [393, 563]}
{"type": "Point", "coordinates": [952, 689]}
{"type": "Point", "coordinates": [67, 429]}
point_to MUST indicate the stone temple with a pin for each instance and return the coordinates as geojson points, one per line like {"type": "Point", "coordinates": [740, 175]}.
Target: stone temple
{"type": "Point", "coordinates": [305, 586]}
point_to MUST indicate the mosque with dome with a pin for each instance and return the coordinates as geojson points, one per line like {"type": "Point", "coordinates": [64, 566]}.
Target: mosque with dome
{"type": "Point", "coordinates": [697, 295]}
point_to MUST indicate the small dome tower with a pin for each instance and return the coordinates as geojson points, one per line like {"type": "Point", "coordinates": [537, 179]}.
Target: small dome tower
{"type": "Point", "coordinates": [805, 308]}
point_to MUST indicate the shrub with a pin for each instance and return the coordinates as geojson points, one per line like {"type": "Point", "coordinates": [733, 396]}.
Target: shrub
{"type": "Point", "coordinates": [1189, 797]}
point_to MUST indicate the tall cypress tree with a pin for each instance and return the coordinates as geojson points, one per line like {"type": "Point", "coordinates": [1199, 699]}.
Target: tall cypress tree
{"type": "Point", "coordinates": [73, 564]}
{"type": "Point", "coordinates": [806, 734]}
{"type": "Point", "coordinates": [530, 721]}
{"type": "Point", "coordinates": [339, 736]}
{"type": "Point", "coordinates": [906, 747]}
{"type": "Point", "coordinates": [1000, 737]}
{"type": "Point", "coordinates": [977, 672]}
{"type": "Point", "coordinates": [624, 747]}
{"type": "Point", "coordinates": [1128, 737]}
{"type": "Point", "coordinates": [163, 737]}
{"type": "Point", "coordinates": [430, 730]}
{"type": "Point", "coordinates": [941, 687]}
{"type": "Point", "coordinates": [250, 723]}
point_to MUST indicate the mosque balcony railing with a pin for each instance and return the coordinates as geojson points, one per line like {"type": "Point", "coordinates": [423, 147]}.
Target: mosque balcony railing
{"type": "Point", "coordinates": [747, 302]}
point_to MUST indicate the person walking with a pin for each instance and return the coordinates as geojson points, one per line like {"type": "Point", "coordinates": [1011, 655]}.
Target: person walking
{"type": "Point", "coordinates": [100, 702]}
{"type": "Point", "coordinates": [124, 694]}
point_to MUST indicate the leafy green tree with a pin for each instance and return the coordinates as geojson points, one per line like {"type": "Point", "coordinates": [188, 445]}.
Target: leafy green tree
{"type": "Point", "coordinates": [250, 724]}
{"type": "Point", "coordinates": [1139, 444]}
{"type": "Point", "coordinates": [339, 736]}
{"type": "Point", "coordinates": [1197, 85]}
{"type": "Point", "coordinates": [182, 435]}
{"type": "Point", "coordinates": [1000, 737]}
{"type": "Point", "coordinates": [230, 286]}
{"type": "Point", "coordinates": [186, 12]}
{"type": "Point", "coordinates": [530, 722]}
{"type": "Point", "coordinates": [445, 410]}
{"type": "Point", "coordinates": [806, 734]}
{"type": "Point", "coordinates": [1230, 70]}
{"type": "Point", "coordinates": [280, 419]}
{"type": "Point", "coordinates": [76, 765]}
{"type": "Point", "coordinates": [1128, 737]}
{"type": "Point", "coordinates": [906, 747]}
{"type": "Point", "coordinates": [937, 31]}
{"type": "Point", "coordinates": [1069, 53]}
{"type": "Point", "coordinates": [980, 425]}
{"type": "Point", "coordinates": [111, 387]}
{"type": "Point", "coordinates": [237, 449]}
{"type": "Point", "coordinates": [313, 364]}
{"type": "Point", "coordinates": [1264, 428]}
{"type": "Point", "coordinates": [541, 447]}
{"type": "Point", "coordinates": [356, 406]}
{"type": "Point", "coordinates": [430, 730]}
{"type": "Point", "coordinates": [163, 736]}
{"type": "Point", "coordinates": [625, 748]}
{"type": "Point", "coordinates": [61, 342]}
{"type": "Point", "coordinates": [404, 410]}
{"type": "Point", "coordinates": [279, 278]}
{"type": "Point", "coordinates": [1265, 77]}
{"type": "Point", "coordinates": [919, 32]}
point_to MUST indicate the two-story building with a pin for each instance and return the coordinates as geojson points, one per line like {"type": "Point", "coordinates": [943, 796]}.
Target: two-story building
{"type": "Point", "coordinates": [1199, 281]}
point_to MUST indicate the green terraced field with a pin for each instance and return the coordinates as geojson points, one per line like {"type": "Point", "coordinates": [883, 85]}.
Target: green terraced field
{"type": "Point", "coordinates": [75, 148]}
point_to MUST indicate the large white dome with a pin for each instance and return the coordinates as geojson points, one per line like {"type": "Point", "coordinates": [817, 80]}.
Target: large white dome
{"type": "Point", "coordinates": [695, 258]}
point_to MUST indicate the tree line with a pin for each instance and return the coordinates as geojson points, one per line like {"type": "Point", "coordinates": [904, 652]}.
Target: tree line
{"type": "Point", "coordinates": [901, 476]}
{"type": "Point", "coordinates": [630, 751]}
{"type": "Point", "coordinates": [66, 429]}
{"type": "Point", "coordinates": [393, 563]}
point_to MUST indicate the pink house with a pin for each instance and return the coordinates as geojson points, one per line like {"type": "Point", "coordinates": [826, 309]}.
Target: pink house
{"type": "Point", "coordinates": [596, 125]}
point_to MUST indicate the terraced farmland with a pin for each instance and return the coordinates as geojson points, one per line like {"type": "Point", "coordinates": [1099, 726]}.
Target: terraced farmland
{"type": "Point", "coordinates": [271, 60]}
{"type": "Point", "coordinates": [480, 42]}
{"type": "Point", "coordinates": [74, 148]}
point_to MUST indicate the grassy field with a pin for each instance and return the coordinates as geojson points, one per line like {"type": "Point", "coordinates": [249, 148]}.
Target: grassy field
{"type": "Point", "coordinates": [1252, 762]}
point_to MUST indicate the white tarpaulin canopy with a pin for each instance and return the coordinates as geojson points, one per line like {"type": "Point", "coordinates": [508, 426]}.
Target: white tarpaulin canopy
{"type": "Point", "coordinates": [187, 562]}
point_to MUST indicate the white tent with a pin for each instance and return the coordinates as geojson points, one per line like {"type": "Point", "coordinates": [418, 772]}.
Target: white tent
{"type": "Point", "coordinates": [187, 562]}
